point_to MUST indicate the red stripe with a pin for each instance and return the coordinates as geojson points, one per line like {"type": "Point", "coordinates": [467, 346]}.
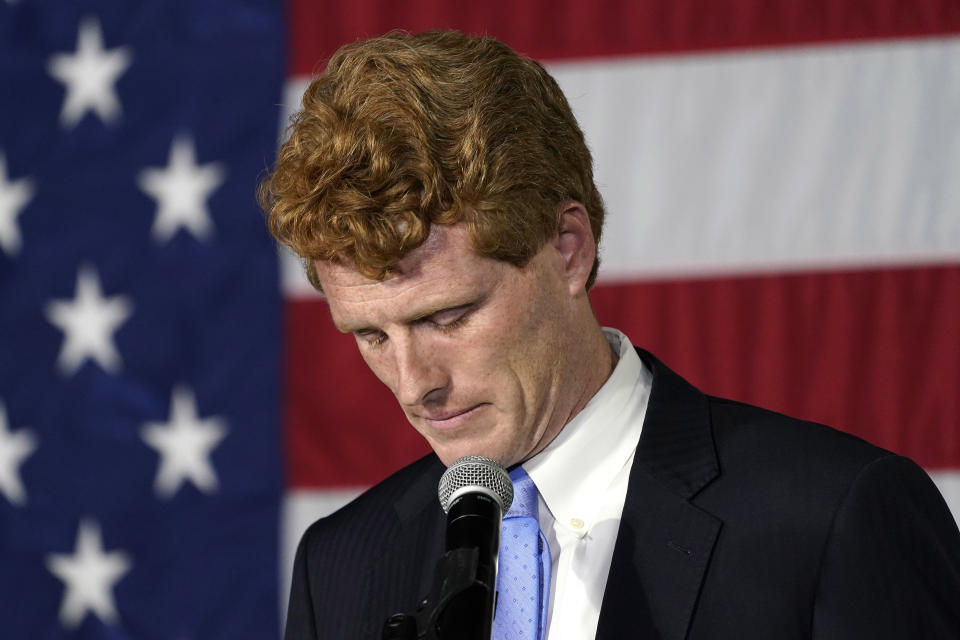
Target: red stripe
{"type": "Point", "coordinates": [876, 352]}
{"type": "Point", "coordinates": [564, 29]}
{"type": "Point", "coordinates": [343, 427]}
{"type": "Point", "coordinates": [873, 352]}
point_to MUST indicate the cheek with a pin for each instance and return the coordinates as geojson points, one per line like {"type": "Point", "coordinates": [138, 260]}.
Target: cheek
{"type": "Point", "coordinates": [515, 358]}
{"type": "Point", "coordinates": [538, 351]}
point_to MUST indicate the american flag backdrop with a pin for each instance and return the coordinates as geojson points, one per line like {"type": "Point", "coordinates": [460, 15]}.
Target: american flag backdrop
{"type": "Point", "coordinates": [782, 180]}
{"type": "Point", "coordinates": [141, 476]}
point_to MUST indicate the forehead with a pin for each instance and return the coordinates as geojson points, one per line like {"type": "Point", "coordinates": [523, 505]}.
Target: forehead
{"type": "Point", "coordinates": [443, 269]}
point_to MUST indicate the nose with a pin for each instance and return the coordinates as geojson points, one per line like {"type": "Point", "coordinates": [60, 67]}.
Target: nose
{"type": "Point", "coordinates": [420, 377]}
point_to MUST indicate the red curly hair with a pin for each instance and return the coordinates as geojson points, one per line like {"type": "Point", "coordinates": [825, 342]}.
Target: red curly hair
{"type": "Point", "coordinates": [404, 131]}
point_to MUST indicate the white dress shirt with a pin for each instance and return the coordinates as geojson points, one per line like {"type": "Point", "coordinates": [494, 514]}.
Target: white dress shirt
{"type": "Point", "coordinates": [582, 479]}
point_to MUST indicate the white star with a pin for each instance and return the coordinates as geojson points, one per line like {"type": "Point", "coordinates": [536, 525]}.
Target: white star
{"type": "Point", "coordinates": [181, 191]}
{"type": "Point", "coordinates": [89, 76]}
{"type": "Point", "coordinates": [14, 449]}
{"type": "Point", "coordinates": [88, 323]}
{"type": "Point", "coordinates": [89, 576]}
{"type": "Point", "coordinates": [184, 444]}
{"type": "Point", "coordinates": [13, 197]}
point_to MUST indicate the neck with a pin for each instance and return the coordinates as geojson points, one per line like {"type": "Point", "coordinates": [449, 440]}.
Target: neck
{"type": "Point", "coordinates": [597, 361]}
{"type": "Point", "coordinates": [589, 362]}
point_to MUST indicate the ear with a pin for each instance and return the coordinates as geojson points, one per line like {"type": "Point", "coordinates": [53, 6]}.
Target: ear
{"type": "Point", "coordinates": [576, 245]}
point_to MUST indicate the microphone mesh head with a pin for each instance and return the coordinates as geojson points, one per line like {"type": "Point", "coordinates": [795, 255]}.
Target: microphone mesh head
{"type": "Point", "coordinates": [476, 473]}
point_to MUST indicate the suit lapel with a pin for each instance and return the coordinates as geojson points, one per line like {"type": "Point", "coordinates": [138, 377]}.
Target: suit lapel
{"type": "Point", "coordinates": [420, 509]}
{"type": "Point", "coordinates": [664, 542]}
{"type": "Point", "coordinates": [401, 574]}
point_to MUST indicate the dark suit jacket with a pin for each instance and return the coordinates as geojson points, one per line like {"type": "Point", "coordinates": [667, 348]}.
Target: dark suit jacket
{"type": "Point", "coordinates": [738, 523]}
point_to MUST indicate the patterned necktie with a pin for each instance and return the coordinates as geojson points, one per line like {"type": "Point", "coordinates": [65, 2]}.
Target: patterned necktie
{"type": "Point", "coordinates": [523, 578]}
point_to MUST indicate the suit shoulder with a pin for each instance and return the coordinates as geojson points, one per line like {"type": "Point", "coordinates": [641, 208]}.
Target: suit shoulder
{"type": "Point", "coordinates": [365, 561]}
{"type": "Point", "coordinates": [796, 471]}
{"type": "Point", "coordinates": [402, 495]}
{"type": "Point", "coordinates": [742, 429]}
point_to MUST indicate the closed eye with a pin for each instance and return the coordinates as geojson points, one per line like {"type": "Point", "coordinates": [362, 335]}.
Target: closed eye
{"type": "Point", "coordinates": [442, 320]}
{"type": "Point", "coordinates": [448, 319]}
{"type": "Point", "coordinates": [371, 337]}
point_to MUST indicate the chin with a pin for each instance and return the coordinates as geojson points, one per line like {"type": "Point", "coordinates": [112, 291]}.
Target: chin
{"type": "Point", "coordinates": [450, 453]}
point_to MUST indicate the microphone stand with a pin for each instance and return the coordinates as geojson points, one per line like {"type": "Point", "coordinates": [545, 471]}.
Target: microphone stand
{"type": "Point", "coordinates": [463, 596]}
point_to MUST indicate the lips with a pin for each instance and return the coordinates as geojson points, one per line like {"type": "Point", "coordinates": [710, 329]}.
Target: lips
{"type": "Point", "coordinates": [451, 419]}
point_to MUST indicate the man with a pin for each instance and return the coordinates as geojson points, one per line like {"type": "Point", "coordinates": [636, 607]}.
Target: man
{"type": "Point", "coordinates": [440, 192]}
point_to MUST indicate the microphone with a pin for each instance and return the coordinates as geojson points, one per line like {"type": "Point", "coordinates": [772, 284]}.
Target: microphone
{"type": "Point", "coordinates": [474, 492]}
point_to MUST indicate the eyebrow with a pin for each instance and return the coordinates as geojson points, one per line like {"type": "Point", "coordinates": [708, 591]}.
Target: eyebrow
{"type": "Point", "coordinates": [413, 319]}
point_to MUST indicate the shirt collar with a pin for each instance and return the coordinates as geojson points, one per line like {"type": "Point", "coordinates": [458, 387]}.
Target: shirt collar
{"type": "Point", "coordinates": [592, 449]}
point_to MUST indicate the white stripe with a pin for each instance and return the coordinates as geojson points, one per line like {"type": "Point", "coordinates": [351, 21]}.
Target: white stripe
{"type": "Point", "coordinates": [788, 158]}
{"type": "Point", "coordinates": [293, 280]}
{"type": "Point", "coordinates": [793, 158]}
{"type": "Point", "coordinates": [949, 484]}
{"type": "Point", "coordinates": [301, 507]}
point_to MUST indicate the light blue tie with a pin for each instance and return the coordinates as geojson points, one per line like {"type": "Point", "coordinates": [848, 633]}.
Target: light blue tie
{"type": "Point", "coordinates": [523, 578]}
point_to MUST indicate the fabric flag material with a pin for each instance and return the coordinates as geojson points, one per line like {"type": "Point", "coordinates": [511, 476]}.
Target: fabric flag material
{"type": "Point", "coordinates": [782, 229]}
{"type": "Point", "coordinates": [140, 463]}
{"type": "Point", "coordinates": [783, 225]}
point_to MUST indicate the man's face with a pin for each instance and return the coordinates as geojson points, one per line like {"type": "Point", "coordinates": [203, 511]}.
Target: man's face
{"type": "Point", "coordinates": [473, 348]}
